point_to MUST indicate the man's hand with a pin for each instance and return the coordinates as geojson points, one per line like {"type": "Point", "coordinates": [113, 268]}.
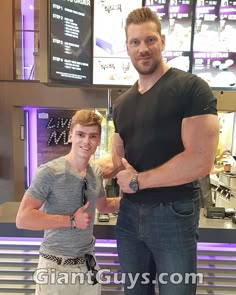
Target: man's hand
{"type": "Point", "coordinates": [124, 177]}
{"type": "Point", "coordinates": [82, 218]}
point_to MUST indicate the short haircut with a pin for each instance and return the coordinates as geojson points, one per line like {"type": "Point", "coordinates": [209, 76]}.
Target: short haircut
{"type": "Point", "coordinates": [142, 15]}
{"type": "Point", "coordinates": [86, 118]}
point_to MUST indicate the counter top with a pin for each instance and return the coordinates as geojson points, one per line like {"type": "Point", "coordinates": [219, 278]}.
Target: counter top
{"type": "Point", "coordinates": [210, 230]}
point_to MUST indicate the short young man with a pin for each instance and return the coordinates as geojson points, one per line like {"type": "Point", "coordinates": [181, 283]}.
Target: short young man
{"type": "Point", "coordinates": [167, 129]}
{"type": "Point", "coordinates": [69, 188]}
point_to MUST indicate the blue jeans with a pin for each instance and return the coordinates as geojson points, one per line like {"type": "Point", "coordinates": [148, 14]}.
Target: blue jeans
{"type": "Point", "coordinates": [157, 244]}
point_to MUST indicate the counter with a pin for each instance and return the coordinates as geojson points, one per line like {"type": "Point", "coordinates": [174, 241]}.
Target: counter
{"type": "Point", "coordinates": [19, 254]}
{"type": "Point", "coordinates": [211, 230]}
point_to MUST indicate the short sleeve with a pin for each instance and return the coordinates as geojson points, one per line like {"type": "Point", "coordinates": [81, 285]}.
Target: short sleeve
{"type": "Point", "coordinates": [198, 98]}
{"type": "Point", "coordinates": [41, 185]}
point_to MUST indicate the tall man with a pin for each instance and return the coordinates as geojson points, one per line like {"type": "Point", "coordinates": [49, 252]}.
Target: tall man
{"type": "Point", "coordinates": [69, 188]}
{"type": "Point", "coordinates": [166, 131]}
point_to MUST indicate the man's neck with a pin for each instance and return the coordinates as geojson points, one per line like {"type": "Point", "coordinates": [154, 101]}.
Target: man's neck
{"type": "Point", "coordinates": [146, 82]}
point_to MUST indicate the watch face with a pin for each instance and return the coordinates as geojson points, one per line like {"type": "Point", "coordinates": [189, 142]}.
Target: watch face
{"type": "Point", "coordinates": [133, 186]}
{"type": "Point", "coordinates": [134, 183]}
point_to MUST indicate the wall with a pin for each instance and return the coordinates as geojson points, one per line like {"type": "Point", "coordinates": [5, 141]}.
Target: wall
{"type": "Point", "coordinates": [6, 37]}
{"type": "Point", "coordinates": [14, 95]}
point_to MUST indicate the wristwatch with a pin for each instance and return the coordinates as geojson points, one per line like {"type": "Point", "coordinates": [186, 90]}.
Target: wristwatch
{"type": "Point", "coordinates": [134, 183]}
{"type": "Point", "coordinates": [72, 222]}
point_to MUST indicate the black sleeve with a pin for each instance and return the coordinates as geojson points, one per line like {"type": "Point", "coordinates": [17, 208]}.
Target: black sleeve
{"type": "Point", "coordinates": [198, 98]}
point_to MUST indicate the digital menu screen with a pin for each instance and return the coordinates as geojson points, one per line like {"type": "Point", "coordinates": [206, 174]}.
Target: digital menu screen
{"type": "Point", "coordinates": [214, 55]}
{"type": "Point", "coordinates": [176, 23]}
{"type": "Point", "coordinates": [70, 40]}
{"type": "Point", "coordinates": [111, 63]}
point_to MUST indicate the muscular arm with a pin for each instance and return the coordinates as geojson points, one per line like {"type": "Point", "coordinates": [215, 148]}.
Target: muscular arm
{"type": "Point", "coordinates": [118, 152]}
{"type": "Point", "coordinates": [30, 217]}
{"type": "Point", "coordinates": [200, 137]}
{"type": "Point", "coordinates": [111, 164]}
{"type": "Point", "coordinates": [106, 165]}
{"type": "Point", "coordinates": [108, 205]}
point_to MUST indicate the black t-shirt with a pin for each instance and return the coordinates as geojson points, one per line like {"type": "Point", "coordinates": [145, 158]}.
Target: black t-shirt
{"type": "Point", "coordinates": [150, 126]}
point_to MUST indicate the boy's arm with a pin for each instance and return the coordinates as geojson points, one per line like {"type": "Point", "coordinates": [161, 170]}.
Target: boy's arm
{"type": "Point", "coordinates": [30, 217]}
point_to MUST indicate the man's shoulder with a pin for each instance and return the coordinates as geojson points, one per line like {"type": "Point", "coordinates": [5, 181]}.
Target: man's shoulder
{"type": "Point", "coordinates": [127, 92]}
{"type": "Point", "coordinates": [186, 80]}
{"type": "Point", "coordinates": [177, 73]}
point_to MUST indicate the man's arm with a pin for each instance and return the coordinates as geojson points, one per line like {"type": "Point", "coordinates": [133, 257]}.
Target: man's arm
{"type": "Point", "coordinates": [106, 165]}
{"type": "Point", "coordinates": [30, 217]}
{"type": "Point", "coordinates": [108, 205]}
{"type": "Point", "coordinates": [200, 137]}
{"type": "Point", "coordinates": [111, 164]}
{"type": "Point", "coordinates": [118, 152]}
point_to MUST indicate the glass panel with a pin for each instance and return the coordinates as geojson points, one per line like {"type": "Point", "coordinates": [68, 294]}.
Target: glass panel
{"type": "Point", "coordinates": [18, 55]}
{"type": "Point", "coordinates": [27, 39]}
{"type": "Point", "coordinates": [107, 134]}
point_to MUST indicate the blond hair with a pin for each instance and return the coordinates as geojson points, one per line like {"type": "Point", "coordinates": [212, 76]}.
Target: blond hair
{"type": "Point", "coordinates": [86, 118]}
{"type": "Point", "coordinates": [142, 15]}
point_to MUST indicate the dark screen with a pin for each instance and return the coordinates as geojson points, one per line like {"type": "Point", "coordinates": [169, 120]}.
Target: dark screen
{"type": "Point", "coordinates": [70, 40]}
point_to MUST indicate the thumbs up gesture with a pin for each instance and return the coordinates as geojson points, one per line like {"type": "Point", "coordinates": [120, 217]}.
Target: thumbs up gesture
{"type": "Point", "coordinates": [124, 176]}
{"type": "Point", "coordinates": [82, 218]}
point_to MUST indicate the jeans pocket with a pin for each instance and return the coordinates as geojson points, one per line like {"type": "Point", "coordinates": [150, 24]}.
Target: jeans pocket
{"type": "Point", "coordinates": [183, 209]}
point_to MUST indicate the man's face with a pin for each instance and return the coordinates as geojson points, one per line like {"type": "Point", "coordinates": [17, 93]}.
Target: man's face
{"type": "Point", "coordinates": [145, 46]}
{"type": "Point", "coordinates": [85, 140]}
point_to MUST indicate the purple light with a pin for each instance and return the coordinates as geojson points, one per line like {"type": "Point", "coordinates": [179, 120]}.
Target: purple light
{"type": "Point", "coordinates": [32, 149]}
{"type": "Point", "coordinates": [18, 252]}
{"type": "Point", "coordinates": [224, 247]}
{"type": "Point", "coordinates": [212, 267]}
{"type": "Point", "coordinates": [20, 241]}
{"type": "Point", "coordinates": [27, 148]}
{"type": "Point", "coordinates": [105, 254]}
{"type": "Point", "coordinates": [106, 243]}
{"type": "Point", "coordinates": [37, 241]}
{"type": "Point", "coordinates": [112, 243]}
{"type": "Point", "coordinates": [216, 257]}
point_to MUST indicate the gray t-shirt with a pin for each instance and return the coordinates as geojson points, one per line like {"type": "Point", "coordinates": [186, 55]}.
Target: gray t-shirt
{"type": "Point", "coordinates": [59, 186]}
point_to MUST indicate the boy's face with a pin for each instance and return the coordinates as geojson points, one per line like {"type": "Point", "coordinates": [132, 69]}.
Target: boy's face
{"type": "Point", "coordinates": [85, 140]}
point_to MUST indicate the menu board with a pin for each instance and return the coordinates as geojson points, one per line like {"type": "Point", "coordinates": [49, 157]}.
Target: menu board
{"type": "Point", "coordinates": [70, 40]}
{"type": "Point", "coordinates": [214, 55]}
{"type": "Point", "coordinates": [111, 63]}
{"type": "Point", "coordinates": [176, 23]}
